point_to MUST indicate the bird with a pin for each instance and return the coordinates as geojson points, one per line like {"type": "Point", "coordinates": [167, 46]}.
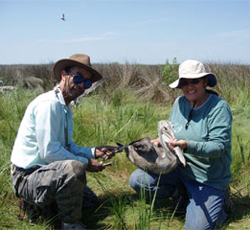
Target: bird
{"type": "Point", "coordinates": [63, 18]}
{"type": "Point", "coordinates": [159, 160]}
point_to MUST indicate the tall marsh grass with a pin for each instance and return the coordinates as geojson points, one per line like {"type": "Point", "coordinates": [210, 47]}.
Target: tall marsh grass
{"type": "Point", "coordinates": [126, 107]}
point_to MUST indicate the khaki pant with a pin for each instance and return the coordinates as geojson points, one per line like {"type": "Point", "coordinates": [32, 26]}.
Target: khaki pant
{"type": "Point", "coordinates": [60, 183]}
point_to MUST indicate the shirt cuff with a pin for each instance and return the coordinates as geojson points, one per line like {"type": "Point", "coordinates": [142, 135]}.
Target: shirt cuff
{"type": "Point", "coordinates": [191, 147]}
{"type": "Point", "coordinates": [93, 151]}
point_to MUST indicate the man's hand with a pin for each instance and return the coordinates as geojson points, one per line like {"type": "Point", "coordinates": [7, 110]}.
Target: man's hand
{"type": "Point", "coordinates": [105, 152]}
{"type": "Point", "coordinates": [183, 144]}
{"type": "Point", "coordinates": [95, 166]}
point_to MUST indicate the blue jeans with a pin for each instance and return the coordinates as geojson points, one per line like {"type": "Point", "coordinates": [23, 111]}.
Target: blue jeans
{"type": "Point", "coordinates": [205, 207]}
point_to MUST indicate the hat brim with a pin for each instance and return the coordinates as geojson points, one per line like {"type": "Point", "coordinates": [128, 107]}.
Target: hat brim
{"type": "Point", "coordinates": [64, 63]}
{"type": "Point", "coordinates": [211, 79]}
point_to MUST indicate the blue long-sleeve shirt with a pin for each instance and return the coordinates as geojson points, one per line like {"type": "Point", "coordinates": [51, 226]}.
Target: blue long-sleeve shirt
{"type": "Point", "coordinates": [209, 136]}
{"type": "Point", "coordinates": [41, 135]}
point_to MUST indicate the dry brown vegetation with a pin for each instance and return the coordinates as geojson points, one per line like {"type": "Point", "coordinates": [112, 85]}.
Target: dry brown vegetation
{"type": "Point", "coordinates": [148, 81]}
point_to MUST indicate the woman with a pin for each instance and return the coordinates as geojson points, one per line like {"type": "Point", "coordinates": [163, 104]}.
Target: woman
{"type": "Point", "coordinates": [202, 125]}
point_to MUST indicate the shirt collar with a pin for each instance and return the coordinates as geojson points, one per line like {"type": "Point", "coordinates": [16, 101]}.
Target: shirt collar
{"type": "Point", "coordinates": [60, 97]}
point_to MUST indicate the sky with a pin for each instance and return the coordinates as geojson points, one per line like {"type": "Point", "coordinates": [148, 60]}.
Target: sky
{"type": "Point", "coordinates": [125, 31]}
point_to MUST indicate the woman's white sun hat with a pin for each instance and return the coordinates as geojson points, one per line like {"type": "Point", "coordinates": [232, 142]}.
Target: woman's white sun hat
{"type": "Point", "coordinates": [192, 69]}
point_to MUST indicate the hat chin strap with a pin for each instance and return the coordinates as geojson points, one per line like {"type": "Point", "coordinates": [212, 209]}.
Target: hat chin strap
{"type": "Point", "coordinates": [190, 116]}
{"type": "Point", "coordinates": [194, 105]}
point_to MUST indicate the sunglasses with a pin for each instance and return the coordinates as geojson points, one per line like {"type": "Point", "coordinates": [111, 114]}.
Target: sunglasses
{"type": "Point", "coordinates": [186, 82]}
{"type": "Point", "coordinates": [78, 79]}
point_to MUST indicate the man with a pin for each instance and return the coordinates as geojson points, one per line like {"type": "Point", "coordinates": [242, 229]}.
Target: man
{"type": "Point", "coordinates": [48, 168]}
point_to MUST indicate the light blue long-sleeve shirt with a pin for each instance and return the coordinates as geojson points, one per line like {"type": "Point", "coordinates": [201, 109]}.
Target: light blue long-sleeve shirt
{"type": "Point", "coordinates": [41, 135]}
{"type": "Point", "coordinates": [209, 136]}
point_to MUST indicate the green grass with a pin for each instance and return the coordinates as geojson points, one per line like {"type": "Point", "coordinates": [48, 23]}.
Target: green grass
{"type": "Point", "coordinates": [122, 115]}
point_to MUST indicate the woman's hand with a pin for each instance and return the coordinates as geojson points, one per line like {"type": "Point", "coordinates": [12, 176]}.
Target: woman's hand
{"type": "Point", "coordinates": [156, 142]}
{"type": "Point", "coordinates": [183, 144]}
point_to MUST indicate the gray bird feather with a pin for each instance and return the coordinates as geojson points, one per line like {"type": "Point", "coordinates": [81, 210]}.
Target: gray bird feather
{"type": "Point", "coordinates": [160, 160]}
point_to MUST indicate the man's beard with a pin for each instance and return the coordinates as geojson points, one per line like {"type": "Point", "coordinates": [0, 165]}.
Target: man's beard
{"type": "Point", "coordinates": [71, 93]}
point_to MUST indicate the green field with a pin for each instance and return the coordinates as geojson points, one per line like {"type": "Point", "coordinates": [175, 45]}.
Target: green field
{"type": "Point", "coordinates": [125, 108]}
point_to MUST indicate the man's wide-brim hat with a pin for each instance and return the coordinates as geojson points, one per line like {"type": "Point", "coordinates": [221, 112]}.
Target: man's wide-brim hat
{"type": "Point", "coordinates": [192, 69]}
{"type": "Point", "coordinates": [81, 60]}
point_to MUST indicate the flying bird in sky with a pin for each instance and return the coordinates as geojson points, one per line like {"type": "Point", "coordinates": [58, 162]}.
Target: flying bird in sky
{"type": "Point", "coordinates": [63, 18]}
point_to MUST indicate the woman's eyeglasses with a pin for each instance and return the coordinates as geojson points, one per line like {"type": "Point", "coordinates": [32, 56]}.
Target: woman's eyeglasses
{"type": "Point", "coordinates": [78, 79]}
{"type": "Point", "coordinates": [186, 82]}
